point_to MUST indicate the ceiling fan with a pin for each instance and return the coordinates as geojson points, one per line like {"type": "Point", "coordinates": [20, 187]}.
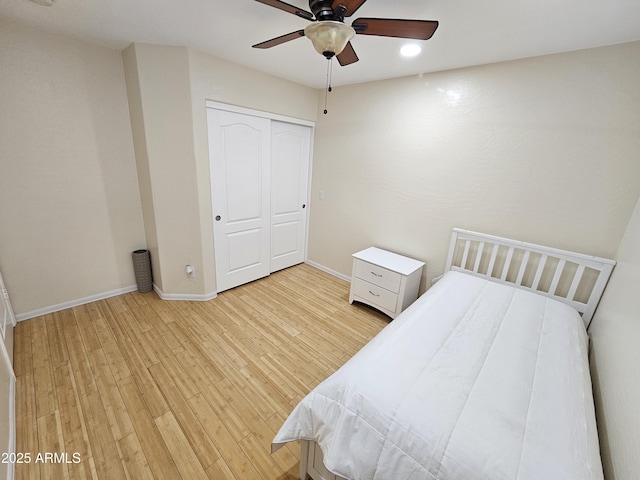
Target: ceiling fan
{"type": "Point", "coordinates": [331, 37]}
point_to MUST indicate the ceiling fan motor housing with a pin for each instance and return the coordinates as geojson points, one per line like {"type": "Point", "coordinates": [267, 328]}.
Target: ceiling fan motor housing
{"type": "Point", "coordinates": [321, 9]}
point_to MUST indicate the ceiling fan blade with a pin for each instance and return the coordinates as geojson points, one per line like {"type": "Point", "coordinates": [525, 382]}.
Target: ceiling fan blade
{"type": "Point", "coordinates": [348, 55]}
{"type": "Point", "coordinates": [390, 27]}
{"type": "Point", "coordinates": [350, 5]}
{"type": "Point", "coordinates": [288, 8]}
{"type": "Point", "coordinates": [281, 39]}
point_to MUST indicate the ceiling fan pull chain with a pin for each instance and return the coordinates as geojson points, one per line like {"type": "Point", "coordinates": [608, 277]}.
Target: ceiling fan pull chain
{"type": "Point", "coordinates": [328, 89]}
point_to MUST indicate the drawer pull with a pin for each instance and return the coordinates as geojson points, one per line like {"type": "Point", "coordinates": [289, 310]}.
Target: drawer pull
{"type": "Point", "coordinates": [376, 274]}
{"type": "Point", "coordinates": [374, 294]}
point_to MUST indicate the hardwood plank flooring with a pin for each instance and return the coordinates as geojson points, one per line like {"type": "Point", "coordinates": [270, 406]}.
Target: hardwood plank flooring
{"type": "Point", "coordinates": [141, 388]}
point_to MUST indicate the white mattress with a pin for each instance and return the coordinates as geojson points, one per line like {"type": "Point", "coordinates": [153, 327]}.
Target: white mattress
{"type": "Point", "coordinates": [476, 380]}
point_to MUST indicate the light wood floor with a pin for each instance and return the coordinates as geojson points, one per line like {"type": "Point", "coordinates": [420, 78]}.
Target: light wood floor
{"type": "Point", "coordinates": [140, 388]}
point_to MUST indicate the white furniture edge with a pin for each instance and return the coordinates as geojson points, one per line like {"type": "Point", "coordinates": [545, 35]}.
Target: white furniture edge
{"type": "Point", "coordinates": [409, 269]}
{"type": "Point", "coordinates": [471, 260]}
{"type": "Point", "coordinates": [11, 446]}
{"type": "Point", "coordinates": [390, 260]}
{"type": "Point", "coordinates": [12, 413]}
{"type": "Point", "coordinates": [307, 470]}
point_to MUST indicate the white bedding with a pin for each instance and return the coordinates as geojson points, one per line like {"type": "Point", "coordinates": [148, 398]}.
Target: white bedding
{"type": "Point", "coordinates": [475, 380]}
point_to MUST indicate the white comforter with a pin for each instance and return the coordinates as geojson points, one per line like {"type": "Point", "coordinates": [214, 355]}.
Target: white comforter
{"type": "Point", "coordinates": [475, 380]}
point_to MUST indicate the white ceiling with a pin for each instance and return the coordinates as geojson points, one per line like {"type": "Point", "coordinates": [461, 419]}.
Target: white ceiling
{"type": "Point", "coordinates": [471, 32]}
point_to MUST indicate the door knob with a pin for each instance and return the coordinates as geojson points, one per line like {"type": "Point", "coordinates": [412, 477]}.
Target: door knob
{"type": "Point", "coordinates": [304, 205]}
{"type": "Point", "coordinates": [217, 218]}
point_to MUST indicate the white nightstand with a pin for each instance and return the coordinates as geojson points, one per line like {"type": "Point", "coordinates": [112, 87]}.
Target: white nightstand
{"type": "Point", "coordinates": [387, 281]}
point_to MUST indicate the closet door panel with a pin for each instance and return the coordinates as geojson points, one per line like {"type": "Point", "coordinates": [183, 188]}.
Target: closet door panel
{"type": "Point", "coordinates": [239, 156]}
{"type": "Point", "coordinates": [290, 155]}
{"type": "Point", "coordinates": [242, 170]}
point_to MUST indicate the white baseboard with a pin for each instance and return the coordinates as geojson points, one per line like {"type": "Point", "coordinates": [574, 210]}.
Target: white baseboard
{"type": "Point", "coordinates": [184, 296]}
{"type": "Point", "coordinates": [101, 296]}
{"type": "Point", "coordinates": [328, 270]}
{"type": "Point", "coordinates": [164, 296]}
{"type": "Point", "coordinates": [73, 303]}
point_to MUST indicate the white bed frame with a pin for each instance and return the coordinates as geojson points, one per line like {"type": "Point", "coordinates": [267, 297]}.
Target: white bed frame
{"type": "Point", "coordinates": [572, 278]}
{"type": "Point", "coordinates": [311, 463]}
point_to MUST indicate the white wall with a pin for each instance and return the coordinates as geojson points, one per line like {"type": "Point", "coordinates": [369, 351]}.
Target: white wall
{"type": "Point", "coordinates": [543, 150]}
{"type": "Point", "coordinates": [615, 357]}
{"type": "Point", "coordinates": [69, 202]}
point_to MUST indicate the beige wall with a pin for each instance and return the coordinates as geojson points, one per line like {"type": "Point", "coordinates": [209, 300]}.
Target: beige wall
{"type": "Point", "coordinates": [168, 88]}
{"type": "Point", "coordinates": [615, 357]}
{"type": "Point", "coordinates": [158, 86]}
{"type": "Point", "coordinates": [70, 210]}
{"type": "Point", "coordinates": [142, 165]}
{"type": "Point", "coordinates": [543, 150]}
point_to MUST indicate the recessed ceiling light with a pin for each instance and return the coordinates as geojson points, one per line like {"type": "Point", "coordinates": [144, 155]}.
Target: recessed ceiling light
{"type": "Point", "coordinates": [410, 50]}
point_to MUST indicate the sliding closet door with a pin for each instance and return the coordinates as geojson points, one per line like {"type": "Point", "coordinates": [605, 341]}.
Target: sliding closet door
{"type": "Point", "coordinates": [290, 155]}
{"type": "Point", "coordinates": [260, 182]}
{"type": "Point", "coordinates": [240, 148]}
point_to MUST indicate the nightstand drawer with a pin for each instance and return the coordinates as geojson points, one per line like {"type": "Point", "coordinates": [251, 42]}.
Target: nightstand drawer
{"type": "Point", "coordinates": [374, 294]}
{"type": "Point", "coordinates": [385, 280]}
{"type": "Point", "coordinates": [378, 275]}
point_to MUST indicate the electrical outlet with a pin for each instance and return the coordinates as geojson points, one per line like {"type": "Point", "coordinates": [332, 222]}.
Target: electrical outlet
{"type": "Point", "coordinates": [190, 271]}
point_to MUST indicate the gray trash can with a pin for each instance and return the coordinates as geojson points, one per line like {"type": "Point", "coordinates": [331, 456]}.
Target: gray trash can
{"type": "Point", "coordinates": [142, 269]}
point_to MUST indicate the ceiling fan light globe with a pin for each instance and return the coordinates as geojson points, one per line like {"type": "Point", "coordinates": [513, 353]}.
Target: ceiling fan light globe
{"type": "Point", "coordinates": [329, 37]}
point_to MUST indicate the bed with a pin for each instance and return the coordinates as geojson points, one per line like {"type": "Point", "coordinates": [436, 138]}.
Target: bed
{"type": "Point", "coordinates": [484, 377]}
